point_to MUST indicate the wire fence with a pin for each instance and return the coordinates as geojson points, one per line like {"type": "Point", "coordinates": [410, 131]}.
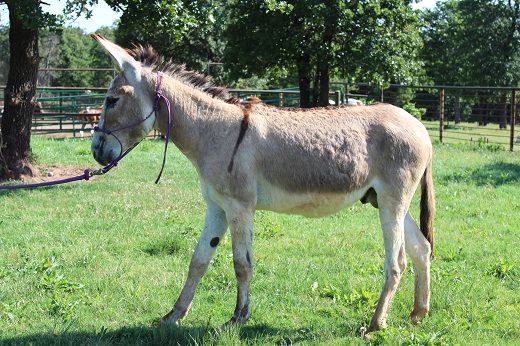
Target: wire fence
{"type": "Point", "coordinates": [453, 114]}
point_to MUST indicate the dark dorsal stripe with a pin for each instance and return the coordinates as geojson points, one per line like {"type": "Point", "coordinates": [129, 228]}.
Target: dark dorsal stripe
{"type": "Point", "coordinates": [246, 108]}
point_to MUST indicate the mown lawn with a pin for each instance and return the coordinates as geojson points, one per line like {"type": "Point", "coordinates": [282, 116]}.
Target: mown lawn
{"type": "Point", "coordinates": [99, 262]}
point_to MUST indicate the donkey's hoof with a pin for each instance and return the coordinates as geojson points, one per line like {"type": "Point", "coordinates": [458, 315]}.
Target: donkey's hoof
{"type": "Point", "coordinates": [417, 315]}
{"type": "Point", "coordinates": [170, 319]}
{"type": "Point", "coordinates": [166, 321]}
{"type": "Point", "coordinates": [376, 325]}
{"type": "Point", "coordinates": [235, 322]}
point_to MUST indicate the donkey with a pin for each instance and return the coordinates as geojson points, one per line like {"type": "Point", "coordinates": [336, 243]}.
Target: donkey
{"type": "Point", "coordinates": [251, 156]}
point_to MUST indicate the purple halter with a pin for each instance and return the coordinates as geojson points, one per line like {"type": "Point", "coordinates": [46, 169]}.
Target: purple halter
{"type": "Point", "coordinates": [157, 99]}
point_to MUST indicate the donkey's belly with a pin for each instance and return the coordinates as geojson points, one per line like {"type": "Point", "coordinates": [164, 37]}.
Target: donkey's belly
{"type": "Point", "coordinates": [309, 204]}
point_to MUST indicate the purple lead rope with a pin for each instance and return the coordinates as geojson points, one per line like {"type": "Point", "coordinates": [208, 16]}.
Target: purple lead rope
{"type": "Point", "coordinates": [85, 176]}
{"type": "Point", "coordinates": [88, 173]}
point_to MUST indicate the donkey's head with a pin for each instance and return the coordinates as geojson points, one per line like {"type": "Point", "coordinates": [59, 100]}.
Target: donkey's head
{"type": "Point", "coordinates": [127, 111]}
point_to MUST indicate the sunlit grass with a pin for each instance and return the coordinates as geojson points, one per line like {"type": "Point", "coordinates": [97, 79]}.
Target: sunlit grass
{"type": "Point", "coordinates": [99, 262]}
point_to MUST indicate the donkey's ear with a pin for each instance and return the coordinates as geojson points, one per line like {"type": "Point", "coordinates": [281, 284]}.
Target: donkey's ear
{"type": "Point", "coordinates": [125, 62]}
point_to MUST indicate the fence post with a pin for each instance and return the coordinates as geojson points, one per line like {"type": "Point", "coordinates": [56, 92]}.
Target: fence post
{"type": "Point", "coordinates": [441, 119]}
{"type": "Point", "coordinates": [280, 100]}
{"type": "Point", "coordinates": [513, 117]}
{"type": "Point", "coordinates": [337, 96]}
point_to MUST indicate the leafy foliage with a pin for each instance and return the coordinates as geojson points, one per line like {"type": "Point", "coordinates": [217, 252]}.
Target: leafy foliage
{"type": "Point", "coordinates": [472, 42]}
{"type": "Point", "coordinates": [313, 40]}
{"type": "Point", "coordinates": [186, 31]}
{"type": "Point", "coordinates": [72, 54]}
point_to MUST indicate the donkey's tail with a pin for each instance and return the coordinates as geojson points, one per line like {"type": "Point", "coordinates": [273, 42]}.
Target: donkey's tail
{"type": "Point", "coordinates": [427, 204]}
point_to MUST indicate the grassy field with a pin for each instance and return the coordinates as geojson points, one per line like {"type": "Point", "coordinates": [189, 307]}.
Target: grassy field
{"type": "Point", "coordinates": [99, 262]}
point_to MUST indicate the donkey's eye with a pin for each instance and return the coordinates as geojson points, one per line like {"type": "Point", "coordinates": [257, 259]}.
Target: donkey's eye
{"type": "Point", "coordinates": [111, 102]}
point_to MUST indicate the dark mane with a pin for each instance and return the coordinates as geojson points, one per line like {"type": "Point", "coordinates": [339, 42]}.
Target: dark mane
{"type": "Point", "coordinates": [148, 56]}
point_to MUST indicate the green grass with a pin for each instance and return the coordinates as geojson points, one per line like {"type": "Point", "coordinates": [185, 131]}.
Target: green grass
{"type": "Point", "coordinates": [98, 262]}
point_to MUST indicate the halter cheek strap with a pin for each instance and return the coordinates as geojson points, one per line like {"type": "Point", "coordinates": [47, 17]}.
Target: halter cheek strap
{"type": "Point", "coordinates": [111, 132]}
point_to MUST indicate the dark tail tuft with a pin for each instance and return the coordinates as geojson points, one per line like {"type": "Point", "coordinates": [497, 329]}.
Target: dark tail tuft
{"type": "Point", "coordinates": [427, 205]}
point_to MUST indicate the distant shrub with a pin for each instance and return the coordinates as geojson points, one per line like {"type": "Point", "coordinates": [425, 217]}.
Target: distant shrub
{"type": "Point", "coordinates": [416, 112]}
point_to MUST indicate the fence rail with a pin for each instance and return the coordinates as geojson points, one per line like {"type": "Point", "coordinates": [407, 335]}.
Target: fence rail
{"type": "Point", "coordinates": [481, 115]}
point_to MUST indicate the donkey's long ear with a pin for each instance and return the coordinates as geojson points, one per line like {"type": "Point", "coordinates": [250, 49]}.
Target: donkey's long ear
{"type": "Point", "coordinates": [125, 62]}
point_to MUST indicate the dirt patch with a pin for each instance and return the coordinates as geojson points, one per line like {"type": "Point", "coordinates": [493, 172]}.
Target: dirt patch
{"type": "Point", "coordinates": [55, 172]}
{"type": "Point", "coordinates": [46, 173]}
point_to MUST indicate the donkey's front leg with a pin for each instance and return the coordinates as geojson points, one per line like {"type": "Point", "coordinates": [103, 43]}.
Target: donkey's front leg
{"type": "Point", "coordinates": [241, 228]}
{"type": "Point", "coordinates": [215, 226]}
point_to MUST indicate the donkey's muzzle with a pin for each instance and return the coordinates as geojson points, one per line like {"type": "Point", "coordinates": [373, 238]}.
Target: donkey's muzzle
{"type": "Point", "coordinates": [99, 150]}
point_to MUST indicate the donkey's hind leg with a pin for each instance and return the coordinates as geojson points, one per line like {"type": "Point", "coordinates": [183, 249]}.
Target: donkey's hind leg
{"type": "Point", "coordinates": [419, 250]}
{"type": "Point", "coordinates": [392, 223]}
{"type": "Point", "coordinates": [215, 225]}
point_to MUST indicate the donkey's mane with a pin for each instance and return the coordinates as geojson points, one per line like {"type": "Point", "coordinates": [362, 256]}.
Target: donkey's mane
{"type": "Point", "coordinates": [149, 56]}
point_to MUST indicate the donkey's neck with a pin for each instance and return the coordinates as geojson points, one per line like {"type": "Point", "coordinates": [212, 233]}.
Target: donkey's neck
{"type": "Point", "coordinates": [197, 119]}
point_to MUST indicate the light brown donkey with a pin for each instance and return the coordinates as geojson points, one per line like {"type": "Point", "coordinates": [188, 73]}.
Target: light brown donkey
{"type": "Point", "coordinates": [251, 156]}
{"type": "Point", "coordinates": [90, 115]}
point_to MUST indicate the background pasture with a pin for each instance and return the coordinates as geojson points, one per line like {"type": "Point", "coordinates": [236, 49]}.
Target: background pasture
{"type": "Point", "coordinates": [98, 262]}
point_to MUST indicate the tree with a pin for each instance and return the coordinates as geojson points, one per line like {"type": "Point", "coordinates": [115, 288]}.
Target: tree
{"type": "Point", "coordinates": [99, 59]}
{"type": "Point", "coordinates": [73, 52]}
{"type": "Point", "coordinates": [19, 94]}
{"type": "Point", "coordinates": [472, 42]}
{"type": "Point", "coordinates": [49, 49]}
{"type": "Point", "coordinates": [187, 31]}
{"type": "Point", "coordinates": [374, 40]}
{"type": "Point", "coordinates": [71, 47]}
{"type": "Point", "coordinates": [26, 18]}
{"type": "Point", "coordinates": [4, 53]}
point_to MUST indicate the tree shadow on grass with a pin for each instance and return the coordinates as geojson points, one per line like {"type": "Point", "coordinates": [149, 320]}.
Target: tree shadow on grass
{"type": "Point", "coordinates": [496, 174]}
{"type": "Point", "coordinates": [167, 335]}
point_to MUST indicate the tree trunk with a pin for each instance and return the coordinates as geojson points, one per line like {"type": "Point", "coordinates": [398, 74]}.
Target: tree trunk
{"type": "Point", "coordinates": [324, 86]}
{"type": "Point", "coordinates": [304, 81]}
{"type": "Point", "coordinates": [19, 95]}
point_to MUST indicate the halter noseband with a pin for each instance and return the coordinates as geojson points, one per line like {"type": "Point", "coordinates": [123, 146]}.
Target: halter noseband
{"type": "Point", "coordinates": [157, 100]}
